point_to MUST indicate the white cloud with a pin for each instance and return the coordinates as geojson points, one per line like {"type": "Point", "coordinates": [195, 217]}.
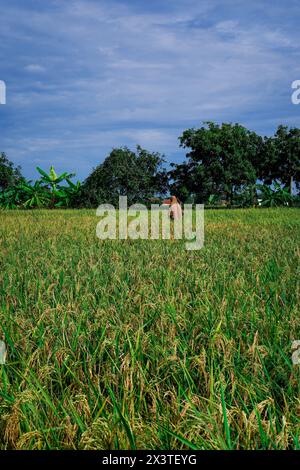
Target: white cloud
{"type": "Point", "coordinates": [228, 26]}
{"type": "Point", "coordinates": [35, 68]}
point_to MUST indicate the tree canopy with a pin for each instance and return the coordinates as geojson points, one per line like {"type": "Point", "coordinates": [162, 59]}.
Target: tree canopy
{"type": "Point", "coordinates": [228, 159]}
{"type": "Point", "coordinates": [138, 175]}
{"type": "Point", "coordinates": [221, 159]}
{"type": "Point", "coordinates": [9, 174]}
{"type": "Point", "coordinates": [282, 157]}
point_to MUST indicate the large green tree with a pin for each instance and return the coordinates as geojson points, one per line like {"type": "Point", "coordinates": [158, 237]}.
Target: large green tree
{"type": "Point", "coordinates": [9, 173]}
{"type": "Point", "coordinates": [138, 175]}
{"type": "Point", "coordinates": [221, 159]}
{"type": "Point", "coordinates": [189, 182]}
{"type": "Point", "coordinates": [282, 157]}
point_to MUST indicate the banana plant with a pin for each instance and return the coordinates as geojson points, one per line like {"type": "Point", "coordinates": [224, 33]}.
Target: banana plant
{"type": "Point", "coordinates": [51, 181]}
{"type": "Point", "coordinates": [46, 192]}
{"type": "Point", "coordinates": [35, 196]}
{"type": "Point", "coordinates": [10, 198]}
{"type": "Point", "coordinates": [275, 197]}
{"type": "Point", "coordinates": [68, 195]}
{"type": "Point", "coordinates": [213, 199]}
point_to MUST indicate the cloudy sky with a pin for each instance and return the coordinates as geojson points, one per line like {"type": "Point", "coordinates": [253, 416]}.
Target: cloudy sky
{"type": "Point", "coordinates": [84, 76]}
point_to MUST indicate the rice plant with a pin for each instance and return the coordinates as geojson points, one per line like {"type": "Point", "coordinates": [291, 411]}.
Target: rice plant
{"type": "Point", "coordinates": [142, 344]}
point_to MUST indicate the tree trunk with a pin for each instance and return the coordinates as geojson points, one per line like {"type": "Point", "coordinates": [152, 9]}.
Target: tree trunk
{"type": "Point", "coordinates": [253, 196]}
{"type": "Point", "coordinates": [291, 185]}
{"type": "Point", "coordinates": [227, 197]}
{"type": "Point", "coordinates": [231, 195]}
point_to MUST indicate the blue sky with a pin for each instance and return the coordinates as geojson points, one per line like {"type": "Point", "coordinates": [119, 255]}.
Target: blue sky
{"type": "Point", "coordinates": [84, 76]}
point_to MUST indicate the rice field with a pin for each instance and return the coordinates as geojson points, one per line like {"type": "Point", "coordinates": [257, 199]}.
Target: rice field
{"type": "Point", "coordinates": [144, 345]}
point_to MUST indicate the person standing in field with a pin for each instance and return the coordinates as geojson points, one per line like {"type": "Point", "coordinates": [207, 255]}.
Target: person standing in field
{"type": "Point", "coordinates": [175, 209]}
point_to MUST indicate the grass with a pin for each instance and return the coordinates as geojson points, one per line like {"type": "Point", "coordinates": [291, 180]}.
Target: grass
{"type": "Point", "coordinates": [142, 344]}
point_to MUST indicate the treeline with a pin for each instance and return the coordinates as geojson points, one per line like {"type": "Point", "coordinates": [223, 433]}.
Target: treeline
{"type": "Point", "coordinates": [225, 165]}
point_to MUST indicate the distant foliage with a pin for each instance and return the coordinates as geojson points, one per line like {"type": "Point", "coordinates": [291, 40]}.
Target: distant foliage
{"type": "Point", "coordinates": [47, 192]}
{"type": "Point", "coordinates": [223, 165]}
{"type": "Point", "coordinates": [278, 196]}
{"type": "Point", "coordinates": [9, 174]}
{"type": "Point", "coordinates": [221, 160]}
{"type": "Point", "coordinates": [138, 175]}
{"type": "Point", "coordinates": [227, 160]}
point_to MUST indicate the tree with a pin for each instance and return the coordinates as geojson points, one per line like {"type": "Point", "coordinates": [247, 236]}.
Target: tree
{"type": "Point", "coordinates": [188, 182]}
{"type": "Point", "coordinates": [181, 181]}
{"type": "Point", "coordinates": [138, 175]}
{"type": "Point", "coordinates": [9, 174]}
{"type": "Point", "coordinates": [221, 158]}
{"type": "Point", "coordinates": [265, 160]}
{"type": "Point", "coordinates": [283, 157]}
